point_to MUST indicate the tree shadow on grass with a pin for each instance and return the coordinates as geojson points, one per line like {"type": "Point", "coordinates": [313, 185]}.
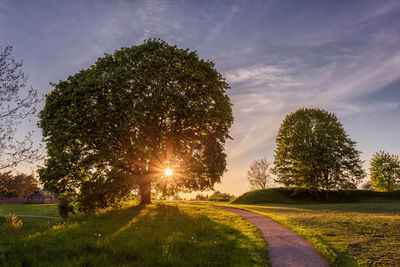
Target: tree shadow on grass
{"type": "Point", "coordinates": [158, 235]}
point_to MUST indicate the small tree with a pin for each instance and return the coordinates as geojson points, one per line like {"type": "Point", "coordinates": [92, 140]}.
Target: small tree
{"type": "Point", "coordinates": [16, 104]}
{"type": "Point", "coordinates": [367, 186]}
{"type": "Point", "coordinates": [385, 171]}
{"type": "Point", "coordinates": [260, 174]}
{"type": "Point", "coordinates": [314, 151]}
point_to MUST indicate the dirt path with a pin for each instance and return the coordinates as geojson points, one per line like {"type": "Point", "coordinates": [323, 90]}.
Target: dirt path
{"type": "Point", "coordinates": [285, 248]}
{"type": "Point", "coordinates": [37, 216]}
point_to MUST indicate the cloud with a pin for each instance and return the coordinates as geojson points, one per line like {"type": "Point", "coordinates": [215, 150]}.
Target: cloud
{"type": "Point", "coordinates": [261, 75]}
{"type": "Point", "coordinates": [263, 94]}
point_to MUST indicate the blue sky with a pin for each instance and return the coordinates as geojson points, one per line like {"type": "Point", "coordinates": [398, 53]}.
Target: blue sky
{"type": "Point", "coordinates": [278, 56]}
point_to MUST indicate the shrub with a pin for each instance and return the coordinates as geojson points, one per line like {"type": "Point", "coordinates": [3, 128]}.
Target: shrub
{"type": "Point", "coordinates": [65, 207]}
{"type": "Point", "coordinates": [223, 197]}
{"type": "Point", "coordinates": [201, 197]}
{"type": "Point", "coordinates": [12, 223]}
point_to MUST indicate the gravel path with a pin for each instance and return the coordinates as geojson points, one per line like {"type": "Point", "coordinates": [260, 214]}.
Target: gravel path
{"type": "Point", "coordinates": [285, 248]}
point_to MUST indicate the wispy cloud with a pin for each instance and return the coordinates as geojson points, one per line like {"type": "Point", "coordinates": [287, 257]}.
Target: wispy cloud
{"type": "Point", "coordinates": [263, 94]}
{"type": "Point", "coordinates": [261, 75]}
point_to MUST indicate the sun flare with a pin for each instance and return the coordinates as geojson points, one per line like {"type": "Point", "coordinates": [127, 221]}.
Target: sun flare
{"type": "Point", "coordinates": [168, 172]}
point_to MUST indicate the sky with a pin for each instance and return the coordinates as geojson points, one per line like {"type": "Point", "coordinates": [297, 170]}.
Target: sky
{"type": "Point", "coordinates": [277, 56]}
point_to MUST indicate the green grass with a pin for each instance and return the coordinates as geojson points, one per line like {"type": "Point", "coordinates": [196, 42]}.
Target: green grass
{"type": "Point", "coordinates": [30, 209]}
{"type": "Point", "coordinates": [347, 234]}
{"type": "Point", "coordinates": [157, 235]}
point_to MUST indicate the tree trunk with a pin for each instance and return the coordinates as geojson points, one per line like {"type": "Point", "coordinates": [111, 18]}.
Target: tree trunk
{"type": "Point", "coordinates": [316, 194]}
{"type": "Point", "coordinates": [326, 194]}
{"type": "Point", "coordinates": [145, 193]}
{"type": "Point", "coordinates": [145, 183]}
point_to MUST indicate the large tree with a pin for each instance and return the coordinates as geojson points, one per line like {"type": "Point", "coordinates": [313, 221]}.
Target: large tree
{"type": "Point", "coordinates": [17, 103]}
{"type": "Point", "coordinates": [314, 151]}
{"type": "Point", "coordinates": [385, 171]}
{"type": "Point", "coordinates": [260, 174]}
{"type": "Point", "coordinates": [132, 115]}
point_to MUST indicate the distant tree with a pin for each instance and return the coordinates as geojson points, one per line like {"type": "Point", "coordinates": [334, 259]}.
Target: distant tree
{"type": "Point", "coordinates": [16, 104]}
{"type": "Point", "coordinates": [314, 151]}
{"type": "Point", "coordinates": [132, 115]}
{"type": "Point", "coordinates": [201, 197]}
{"type": "Point", "coordinates": [260, 174]}
{"type": "Point", "coordinates": [218, 196]}
{"type": "Point", "coordinates": [367, 185]}
{"type": "Point", "coordinates": [385, 171]}
{"type": "Point", "coordinates": [18, 185]}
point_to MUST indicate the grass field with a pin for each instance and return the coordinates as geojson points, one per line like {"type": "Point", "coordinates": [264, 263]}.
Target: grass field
{"type": "Point", "coordinates": [347, 234]}
{"type": "Point", "coordinates": [158, 235]}
{"type": "Point", "coordinates": [30, 209]}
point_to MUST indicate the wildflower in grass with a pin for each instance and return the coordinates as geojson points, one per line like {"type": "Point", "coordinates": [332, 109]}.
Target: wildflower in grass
{"type": "Point", "coordinates": [12, 223]}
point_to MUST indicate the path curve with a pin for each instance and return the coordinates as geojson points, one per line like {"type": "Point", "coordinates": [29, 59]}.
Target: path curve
{"type": "Point", "coordinates": [285, 248]}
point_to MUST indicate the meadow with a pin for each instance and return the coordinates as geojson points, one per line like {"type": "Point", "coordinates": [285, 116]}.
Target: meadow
{"type": "Point", "coordinates": [30, 209]}
{"type": "Point", "coordinates": [177, 234]}
{"type": "Point", "coordinates": [155, 235]}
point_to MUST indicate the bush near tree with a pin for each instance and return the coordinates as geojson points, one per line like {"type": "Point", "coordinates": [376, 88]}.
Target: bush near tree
{"type": "Point", "coordinates": [385, 171]}
{"type": "Point", "coordinates": [117, 126]}
{"type": "Point", "coordinates": [65, 207]}
{"type": "Point", "coordinates": [314, 151]}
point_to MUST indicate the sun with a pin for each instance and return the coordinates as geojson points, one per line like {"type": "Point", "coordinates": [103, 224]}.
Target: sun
{"type": "Point", "coordinates": [168, 172]}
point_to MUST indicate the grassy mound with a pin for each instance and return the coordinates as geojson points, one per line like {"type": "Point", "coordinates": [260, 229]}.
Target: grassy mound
{"type": "Point", "coordinates": [271, 195]}
{"type": "Point", "coordinates": [286, 195]}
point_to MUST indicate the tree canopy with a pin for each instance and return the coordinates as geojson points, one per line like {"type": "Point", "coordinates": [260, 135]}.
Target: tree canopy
{"type": "Point", "coordinates": [385, 171]}
{"type": "Point", "coordinates": [120, 123]}
{"type": "Point", "coordinates": [314, 151]}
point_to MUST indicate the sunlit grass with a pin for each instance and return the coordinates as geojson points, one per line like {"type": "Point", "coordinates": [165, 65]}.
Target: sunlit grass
{"type": "Point", "coordinates": [157, 235]}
